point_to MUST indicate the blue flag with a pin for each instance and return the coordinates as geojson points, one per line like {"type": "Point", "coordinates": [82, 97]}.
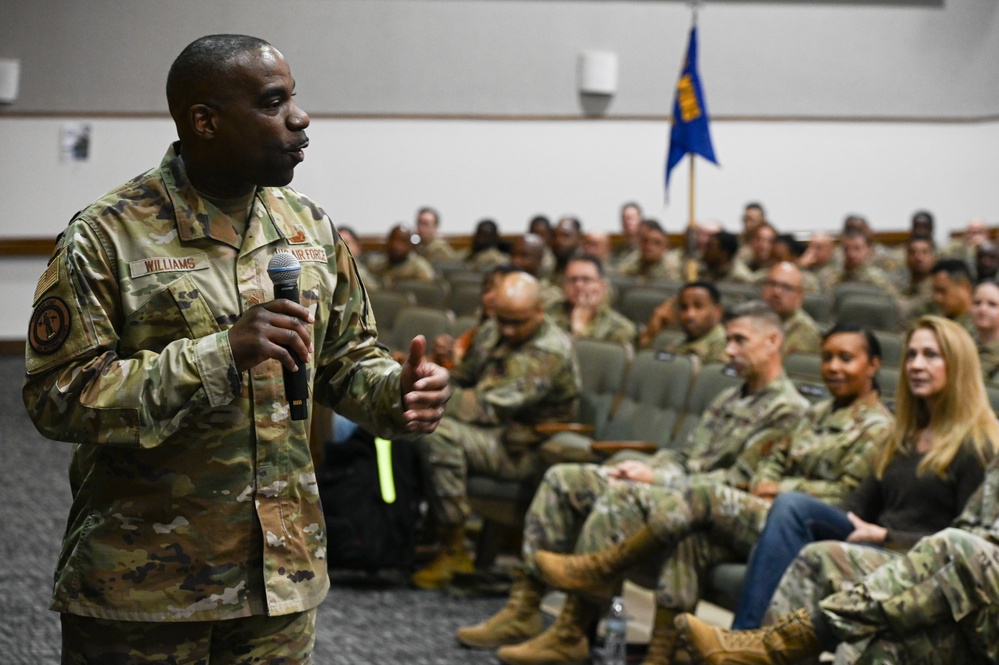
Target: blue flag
{"type": "Point", "coordinates": [690, 132]}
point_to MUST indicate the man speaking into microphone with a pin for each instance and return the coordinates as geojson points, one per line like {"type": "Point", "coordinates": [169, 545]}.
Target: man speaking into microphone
{"type": "Point", "coordinates": [156, 341]}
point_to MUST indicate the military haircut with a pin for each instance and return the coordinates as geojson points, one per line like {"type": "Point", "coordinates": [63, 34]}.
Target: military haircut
{"type": "Point", "coordinates": [728, 243]}
{"type": "Point", "coordinates": [710, 287]}
{"type": "Point", "coordinates": [956, 269]}
{"type": "Point", "coordinates": [589, 258]}
{"type": "Point", "coordinates": [762, 315]}
{"type": "Point", "coordinates": [432, 211]}
{"type": "Point", "coordinates": [199, 67]}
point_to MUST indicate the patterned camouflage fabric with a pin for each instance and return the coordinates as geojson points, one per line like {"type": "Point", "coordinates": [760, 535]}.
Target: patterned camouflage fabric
{"type": "Point", "coordinates": [989, 356]}
{"type": "Point", "coordinates": [608, 324]}
{"type": "Point", "coordinates": [738, 273]}
{"type": "Point", "coordinates": [709, 348]}
{"type": "Point", "coordinates": [413, 267]}
{"type": "Point", "coordinates": [194, 494]}
{"type": "Point", "coordinates": [668, 267]}
{"type": "Point", "coordinates": [569, 492]}
{"type": "Point", "coordinates": [827, 454]}
{"type": "Point", "coordinates": [498, 394]}
{"type": "Point", "coordinates": [487, 259]}
{"type": "Point", "coordinates": [937, 603]}
{"type": "Point", "coordinates": [436, 250]}
{"type": "Point", "coordinates": [801, 334]}
{"type": "Point", "coordinates": [865, 274]}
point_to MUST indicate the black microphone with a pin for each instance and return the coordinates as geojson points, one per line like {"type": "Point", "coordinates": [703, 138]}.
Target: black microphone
{"type": "Point", "coordinates": [284, 269]}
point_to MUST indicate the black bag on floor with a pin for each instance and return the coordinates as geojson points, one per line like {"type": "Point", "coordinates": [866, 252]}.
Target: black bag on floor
{"type": "Point", "coordinates": [371, 515]}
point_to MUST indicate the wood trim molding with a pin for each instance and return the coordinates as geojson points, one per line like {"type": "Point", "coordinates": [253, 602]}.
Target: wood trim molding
{"type": "Point", "coordinates": [27, 246]}
{"type": "Point", "coordinates": [12, 347]}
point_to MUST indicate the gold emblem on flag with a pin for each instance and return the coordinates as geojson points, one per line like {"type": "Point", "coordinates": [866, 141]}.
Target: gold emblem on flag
{"type": "Point", "coordinates": [690, 108]}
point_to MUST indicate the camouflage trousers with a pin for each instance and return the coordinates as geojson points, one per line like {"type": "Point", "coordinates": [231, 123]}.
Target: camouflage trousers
{"type": "Point", "coordinates": [455, 449]}
{"type": "Point", "coordinates": [701, 524]}
{"type": "Point", "coordinates": [938, 603]}
{"type": "Point", "coordinates": [260, 640]}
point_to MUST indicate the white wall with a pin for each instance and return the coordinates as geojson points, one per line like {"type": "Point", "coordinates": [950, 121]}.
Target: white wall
{"type": "Point", "coordinates": [373, 173]}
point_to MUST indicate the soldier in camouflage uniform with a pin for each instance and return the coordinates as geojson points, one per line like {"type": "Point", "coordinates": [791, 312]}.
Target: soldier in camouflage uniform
{"type": "Point", "coordinates": [500, 392]}
{"type": "Point", "coordinates": [585, 313]}
{"type": "Point", "coordinates": [826, 455]}
{"type": "Point", "coordinates": [720, 261]}
{"type": "Point", "coordinates": [653, 260]}
{"type": "Point", "coordinates": [985, 314]}
{"type": "Point", "coordinates": [485, 252]}
{"type": "Point", "coordinates": [400, 262]}
{"type": "Point", "coordinates": [697, 308]}
{"type": "Point", "coordinates": [156, 346]}
{"type": "Point", "coordinates": [431, 246]}
{"type": "Point", "coordinates": [858, 266]}
{"type": "Point", "coordinates": [783, 289]}
{"type": "Point", "coordinates": [739, 426]}
{"type": "Point", "coordinates": [936, 604]}
{"type": "Point", "coordinates": [952, 292]}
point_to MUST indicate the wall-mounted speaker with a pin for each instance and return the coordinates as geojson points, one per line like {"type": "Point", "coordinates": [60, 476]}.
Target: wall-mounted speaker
{"type": "Point", "coordinates": [598, 72]}
{"type": "Point", "coordinates": [10, 77]}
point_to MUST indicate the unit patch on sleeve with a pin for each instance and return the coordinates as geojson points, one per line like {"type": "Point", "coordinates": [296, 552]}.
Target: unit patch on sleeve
{"type": "Point", "coordinates": [49, 326]}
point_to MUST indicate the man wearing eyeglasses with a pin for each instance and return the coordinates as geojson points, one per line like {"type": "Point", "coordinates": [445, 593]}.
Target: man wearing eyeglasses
{"type": "Point", "coordinates": [585, 313]}
{"type": "Point", "coordinates": [783, 289]}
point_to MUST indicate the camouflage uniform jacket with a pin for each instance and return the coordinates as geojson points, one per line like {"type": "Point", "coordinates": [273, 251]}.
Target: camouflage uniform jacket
{"type": "Point", "coordinates": [801, 334]}
{"type": "Point", "coordinates": [738, 273]}
{"type": "Point", "coordinates": [668, 267]}
{"type": "Point", "coordinates": [436, 250]}
{"type": "Point", "coordinates": [194, 493]}
{"type": "Point", "coordinates": [517, 388]}
{"type": "Point", "coordinates": [709, 347]}
{"type": "Point", "coordinates": [865, 274]}
{"type": "Point", "coordinates": [487, 259]}
{"type": "Point", "coordinates": [608, 324]}
{"type": "Point", "coordinates": [981, 514]}
{"type": "Point", "coordinates": [989, 355]}
{"type": "Point", "coordinates": [830, 451]}
{"type": "Point", "coordinates": [413, 267]}
{"type": "Point", "coordinates": [738, 431]}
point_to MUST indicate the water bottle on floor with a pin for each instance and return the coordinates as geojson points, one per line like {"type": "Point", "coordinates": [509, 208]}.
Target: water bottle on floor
{"type": "Point", "coordinates": [615, 634]}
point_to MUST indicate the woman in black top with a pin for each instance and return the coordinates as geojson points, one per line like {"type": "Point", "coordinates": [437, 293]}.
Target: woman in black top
{"type": "Point", "coordinates": [945, 432]}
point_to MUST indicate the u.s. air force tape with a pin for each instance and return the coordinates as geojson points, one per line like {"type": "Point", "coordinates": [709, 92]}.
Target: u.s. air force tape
{"type": "Point", "coordinates": [50, 325]}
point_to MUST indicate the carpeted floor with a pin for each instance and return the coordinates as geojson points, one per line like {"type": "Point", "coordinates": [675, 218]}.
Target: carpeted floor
{"type": "Point", "coordinates": [364, 620]}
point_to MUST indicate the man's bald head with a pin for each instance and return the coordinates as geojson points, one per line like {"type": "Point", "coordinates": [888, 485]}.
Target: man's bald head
{"type": "Point", "coordinates": [528, 253]}
{"type": "Point", "coordinates": [519, 311]}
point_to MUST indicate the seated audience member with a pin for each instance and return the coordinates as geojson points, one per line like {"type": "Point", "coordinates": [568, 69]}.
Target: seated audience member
{"type": "Point", "coordinates": [986, 261]}
{"type": "Point", "coordinates": [737, 427]}
{"type": "Point", "coordinates": [985, 315]}
{"type": "Point", "coordinates": [566, 241]}
{"type": "Point", "coordinates": [598, 245]}
{"type": "Point", "coordinates": [952, 292]}
{"type": "Point", "coordinates": [820, 257]}
{"type": "Point", "coordinates": [350, 239]}
{"type": "Point", "coordinates": [782, 289]}
{"type": "Point", "coordinates": [584, 312]}
{"type": "Point", "coordinates": [431, 246]}
{"type": "Point", "coordinates": [753, 216]}
{"type": "Point", "coordinates": [790, 249]}
{"type": "Point", "coordinates": [921, 225]}
{"type": "Point", "coordinates": [935, 603]}
{"type": "Point", "coordinates": [653, 261]}
{"type": "Point", "coordinates": [887, 259]}
{"type": "Point", "coordinates": [698, 310]}
{"type": "Point", "coordinates": [720, 263]}
{"type": "Point", "coordinates": [528, 376]}
{"type": "Point", "coordinates": [761, 244]}
{"type": "Point", "coordinates": [683, 533]}
{"type": "Point", "coordinates": [541, 226]}
{"type": "Point", "coordinates": [916, 288]}
{"type": "Point", "coordinates": [965, 246]}
{"type": "Point", "coordinates": [858, 267]}
{"type": "Point", "coordinates": [702, 233]}
{"type": "Point", "coordinates": [945, 433]}
{"type": "Point", "coordinates": [401, 262]}
{"type": "Point", "coordinates": [485, 252]}
{"type": "Point", "coordinates": [631, 220]}
{"type": "Point", "coordinates": [528, 254]}
{"type": "Point", "coordinates": [448, 351]}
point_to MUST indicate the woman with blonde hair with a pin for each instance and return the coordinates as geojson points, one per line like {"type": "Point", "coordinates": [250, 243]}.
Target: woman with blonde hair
{"type": "Point", "coordinates": [944, 435]}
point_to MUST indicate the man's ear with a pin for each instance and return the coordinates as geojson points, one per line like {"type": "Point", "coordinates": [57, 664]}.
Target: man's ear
{"type": "Point", "coordinates": [204, 122]}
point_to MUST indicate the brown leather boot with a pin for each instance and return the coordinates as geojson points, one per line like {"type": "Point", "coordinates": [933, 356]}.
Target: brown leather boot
{"type": "Point", "coordinates": [452, 558]}
{"type": "Point", "coordinates": [519, 620]}
{"type": "Point", "coordinates": [789, 640]}
{"type": "Point", "coordinates": [597, 575]}
{"type": "Point", "coordinates": [663, 641]}
{"type": "Point", "coordinates": [564, 643]}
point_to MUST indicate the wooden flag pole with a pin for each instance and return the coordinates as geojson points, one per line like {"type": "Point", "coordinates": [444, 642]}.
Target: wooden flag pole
{"type": "Point", "coordinates": [690, 236]}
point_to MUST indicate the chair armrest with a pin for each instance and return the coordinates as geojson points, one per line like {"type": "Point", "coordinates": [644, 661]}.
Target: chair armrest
{"type": "Point", "coordinates": [608, 448]}
{"type": "Point", "coordinates": [551, 429]}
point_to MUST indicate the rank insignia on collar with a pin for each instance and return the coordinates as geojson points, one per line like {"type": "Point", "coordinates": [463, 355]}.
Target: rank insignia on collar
{"type": "Point", "coordinates": [50, 325]}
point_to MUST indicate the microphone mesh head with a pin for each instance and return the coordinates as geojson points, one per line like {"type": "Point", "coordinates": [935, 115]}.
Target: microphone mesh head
{"type": "Point", "coordinates": [283, 267]}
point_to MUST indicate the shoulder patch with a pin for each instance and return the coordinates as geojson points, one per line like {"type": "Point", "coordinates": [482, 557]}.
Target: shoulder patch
{"type": "Point", "coordinates": [50, 325]}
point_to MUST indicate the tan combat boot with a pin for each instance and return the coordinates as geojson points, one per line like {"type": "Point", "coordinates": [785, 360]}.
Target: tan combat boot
{"type": "Point", "coordinates": [789, 640]}
{"type": "Point", "coordinates": [662, 644]}
{"type": "Point", "coordinates": [564, 643]}
{"type": "Point", "coordinates": [519, 620]}
{"type": "Point", "coordinates": [597, 575]}
{"type": "Point", "coordinates": [452, 558]}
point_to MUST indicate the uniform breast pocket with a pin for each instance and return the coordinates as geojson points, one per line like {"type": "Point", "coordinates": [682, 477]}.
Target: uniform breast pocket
{"type": "Point", "coordinates": [176, 311]}
{"type": "Point", "coordinates": [316, 296]}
